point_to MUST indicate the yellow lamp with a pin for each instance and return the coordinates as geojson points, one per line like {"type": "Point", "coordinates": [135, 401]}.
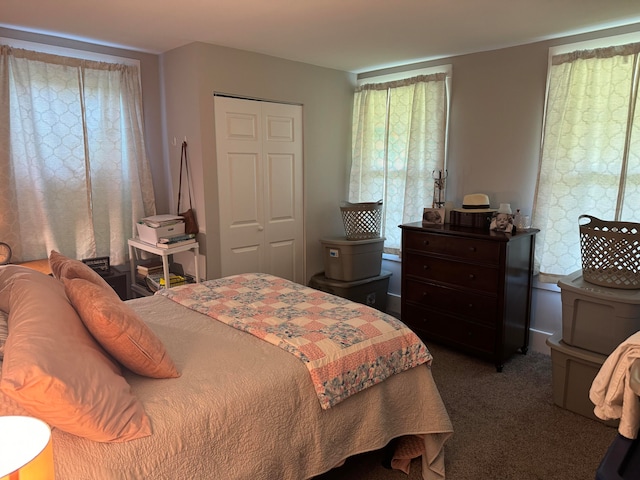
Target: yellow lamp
{"type": "Point", "coordinates": [26, 452]}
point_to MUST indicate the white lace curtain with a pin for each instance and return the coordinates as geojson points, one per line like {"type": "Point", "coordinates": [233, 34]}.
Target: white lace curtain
{"type": "Point", "coordinates": [399, 131]}
{"type": "Point", "coordinates": [74, 175]}
{"type": "Point", "coordinates": [591, 151]}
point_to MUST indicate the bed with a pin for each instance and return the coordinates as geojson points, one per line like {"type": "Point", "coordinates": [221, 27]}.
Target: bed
{"type": "Point", "coordinates": [240, 406]}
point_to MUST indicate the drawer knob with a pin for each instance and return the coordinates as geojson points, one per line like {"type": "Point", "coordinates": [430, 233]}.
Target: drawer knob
{"type": "Point", "coordinates": [471, 276]}
{"type": "Point", "coordinates": [425, 267]}
{"type": "Point", "coordinates": [472, 249]}
{"type": "Point", "coordinates": [471, 305]}
{"type": "Point", "coordinates": [425, 242]}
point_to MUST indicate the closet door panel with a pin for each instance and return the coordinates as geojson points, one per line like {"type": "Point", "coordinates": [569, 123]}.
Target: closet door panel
{"type": "Point", "coordinates": [260, 179]}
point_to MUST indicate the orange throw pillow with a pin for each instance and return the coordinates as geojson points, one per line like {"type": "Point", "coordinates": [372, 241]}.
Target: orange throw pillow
{"type": "Point", "coordinates": [54, 368]}
{"type": "Point", "coordinates": [120, 330]}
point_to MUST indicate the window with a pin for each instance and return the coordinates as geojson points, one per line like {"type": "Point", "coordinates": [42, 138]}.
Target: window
{"type": "Point", "coordinates": [590, 161]}
{"type": "Point", "coordinates": [399, 143]}
{"type": "Point", "coordinates": [74, 176]}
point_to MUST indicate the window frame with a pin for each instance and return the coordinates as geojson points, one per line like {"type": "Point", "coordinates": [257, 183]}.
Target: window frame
{"type": "Point", "coordinates": [402, 73]}
{"type": "Point", "coordinates": [566, 48]}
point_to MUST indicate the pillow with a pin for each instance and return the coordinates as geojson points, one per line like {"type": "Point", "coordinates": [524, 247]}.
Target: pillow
{"type": "Point", "coordinates": [65, 267]}
{"type": "Point", "coordinates": [55, 369]}
{"type": "Point", "coordinates": [120, 330]}
{"type": "Point", "coordinates": [4, 331]}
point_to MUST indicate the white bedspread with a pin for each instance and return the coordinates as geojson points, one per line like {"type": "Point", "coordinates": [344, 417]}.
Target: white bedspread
{"type": "Point", "coordinates": [611, 392]}
{"type": "Point", "coordinates": [244, 409]}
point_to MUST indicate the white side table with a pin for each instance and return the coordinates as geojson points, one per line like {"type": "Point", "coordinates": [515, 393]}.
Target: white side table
{"type": "Point", "coordinates": [135, 243]}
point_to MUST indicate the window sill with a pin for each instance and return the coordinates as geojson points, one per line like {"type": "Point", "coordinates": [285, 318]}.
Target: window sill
{"type": "Point", "coordinates": [391, 257]}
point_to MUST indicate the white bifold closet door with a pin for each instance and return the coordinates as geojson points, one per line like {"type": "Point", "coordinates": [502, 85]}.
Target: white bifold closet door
{"type": "Point", "coordinates": [260, 186]}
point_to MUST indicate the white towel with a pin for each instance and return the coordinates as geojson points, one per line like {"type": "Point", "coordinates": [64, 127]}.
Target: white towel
{"type": "Point", "coordinates": [610, 391]}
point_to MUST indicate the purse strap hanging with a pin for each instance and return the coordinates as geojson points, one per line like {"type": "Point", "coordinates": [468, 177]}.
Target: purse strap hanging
{"type": "Point", "coordinates": [190, 222]}
{"type": "Point", "coordinates": [184, 164]}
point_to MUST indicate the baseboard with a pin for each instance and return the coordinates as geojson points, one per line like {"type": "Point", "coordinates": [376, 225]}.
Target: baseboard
{"type": "Point", "coordinates": [393, 304]}
{"type": "Point", "coordinates": [538, 341]}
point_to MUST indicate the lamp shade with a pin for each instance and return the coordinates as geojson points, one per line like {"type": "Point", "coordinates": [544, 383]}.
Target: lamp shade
{"type": "Point", "coordinates": [26, 452]}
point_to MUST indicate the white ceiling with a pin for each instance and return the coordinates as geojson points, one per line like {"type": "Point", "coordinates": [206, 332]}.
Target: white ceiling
{"type": "Point", "coordinates": [350, 35]}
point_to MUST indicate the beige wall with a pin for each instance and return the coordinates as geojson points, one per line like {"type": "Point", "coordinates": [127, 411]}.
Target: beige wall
{"type": "Point", "coordinates": [496, 118]}
{"type": "Point", "coordinates": [192, 74]}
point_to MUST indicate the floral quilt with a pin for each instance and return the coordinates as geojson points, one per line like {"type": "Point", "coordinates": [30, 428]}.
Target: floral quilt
{"type": "Point", "coordinates": [346, 346]}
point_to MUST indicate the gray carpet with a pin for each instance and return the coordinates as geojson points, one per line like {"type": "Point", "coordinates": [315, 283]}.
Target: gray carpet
{"type": "Point", "coordinates": [506, 426]}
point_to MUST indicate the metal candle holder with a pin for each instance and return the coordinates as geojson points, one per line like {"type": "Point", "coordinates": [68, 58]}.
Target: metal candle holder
{"type": "Point", "coordinates": [438, 190]}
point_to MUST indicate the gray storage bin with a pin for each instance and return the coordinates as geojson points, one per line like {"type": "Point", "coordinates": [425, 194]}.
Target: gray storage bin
{"type": "Point", "coordinates": [597, 318]}
{"type": "Point", "coordinates": [573, 371]}
{"type": "Point", "coordinates": [349, 260]}
{"type": "Point", "coordinates": [370, 291]}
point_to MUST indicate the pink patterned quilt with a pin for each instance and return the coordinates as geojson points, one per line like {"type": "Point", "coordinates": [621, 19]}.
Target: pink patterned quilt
{"type": "Point", "coordinates": [346, 346]}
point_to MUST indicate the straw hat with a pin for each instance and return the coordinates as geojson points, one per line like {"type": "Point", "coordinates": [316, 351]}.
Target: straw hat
{"type": "Point", "coordinates": [475, 203]}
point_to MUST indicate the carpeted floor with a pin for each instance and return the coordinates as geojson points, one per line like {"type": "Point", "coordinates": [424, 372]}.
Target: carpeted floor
{"type": "Point", "coordinates": [506, 426]}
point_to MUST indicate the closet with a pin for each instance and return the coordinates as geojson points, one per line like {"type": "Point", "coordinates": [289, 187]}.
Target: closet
{"type": "Point", "coordinates": [260, 187]}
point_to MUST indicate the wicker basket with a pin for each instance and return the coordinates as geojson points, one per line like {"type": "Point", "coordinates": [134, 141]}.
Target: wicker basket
{"type": "Point", "coordinates": [362, 220]}
{"type": "Point", "coordinates": [610, 252]}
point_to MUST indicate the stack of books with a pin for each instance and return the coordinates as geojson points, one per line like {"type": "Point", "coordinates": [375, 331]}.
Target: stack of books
{"type": "Point", "coordinates": [155, 281]}
{"type": "Point", "coordinates": [150, 266]}
{"type": "Point", "coordinates": [176, 240]}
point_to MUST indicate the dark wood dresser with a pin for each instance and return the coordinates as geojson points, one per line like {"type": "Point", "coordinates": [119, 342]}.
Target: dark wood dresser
{"type": "Point", "coordinates": [468, 288]}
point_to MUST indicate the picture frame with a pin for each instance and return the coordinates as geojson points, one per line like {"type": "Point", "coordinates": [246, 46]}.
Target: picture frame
{"type": "Point", "coordinates": [100, 265]}
{"type": "Point", "coordinates": [433, 216]}
{"type": "Point", "coordinates": [502, 222]}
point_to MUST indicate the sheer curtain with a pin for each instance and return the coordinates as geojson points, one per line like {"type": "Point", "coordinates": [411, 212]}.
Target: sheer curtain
{"type": "Point", "coordinates": [591, 151]}
{"type": "Point", "coordinates": [399, 132]}
{"type": "Point", "coordinates": [74, 175]}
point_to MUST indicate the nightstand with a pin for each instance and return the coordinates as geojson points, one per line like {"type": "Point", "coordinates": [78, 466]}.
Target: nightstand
{"type": "Point", "coordinates": [165, 253]}
{"type": "Point", "coordinates": [117, 279]}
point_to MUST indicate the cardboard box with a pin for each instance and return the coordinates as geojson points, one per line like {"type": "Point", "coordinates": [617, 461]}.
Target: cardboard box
{"type": "Point", "coordinates": [151, 235]}
{"type": "Point", "coordinates": [350, 260]}
{"type": "Point", "coordinates": [597, 318]}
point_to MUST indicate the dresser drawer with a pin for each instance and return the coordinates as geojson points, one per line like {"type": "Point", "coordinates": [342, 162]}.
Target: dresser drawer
{"type": "Point", "coordinates": [438, 326]}
{"type": "Point", "coordinates": [482, 308]}
{"type": "Point", "coordinates": [466, 275]}
{"type": "Point", "coordinates": [464, 248]}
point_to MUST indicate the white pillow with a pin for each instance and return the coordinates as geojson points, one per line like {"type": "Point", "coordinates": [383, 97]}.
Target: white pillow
{"type": "Point", "coordinates": [4, 331]}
